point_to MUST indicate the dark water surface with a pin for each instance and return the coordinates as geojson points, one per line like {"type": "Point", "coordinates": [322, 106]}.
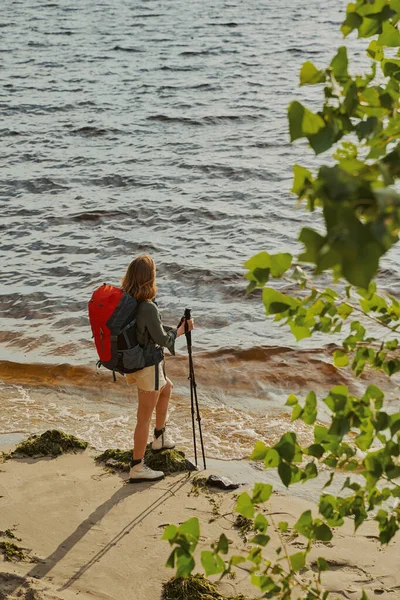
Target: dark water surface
{"type": "Point", "coordinates": [149, 126]}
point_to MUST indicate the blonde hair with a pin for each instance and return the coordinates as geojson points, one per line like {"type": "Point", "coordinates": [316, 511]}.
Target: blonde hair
{"type": "Point", "coordinates": [140, 278]}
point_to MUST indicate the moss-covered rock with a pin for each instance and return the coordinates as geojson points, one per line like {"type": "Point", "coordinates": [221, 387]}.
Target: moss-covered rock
{"type": "Point", "coordinates": [116, 459]}
{"type": "Point", "coordinates": [49, 443]}
{"type": "Point", "coordinates": [194, 587]}
{"type": "Point", "coordinates": [168, 461]}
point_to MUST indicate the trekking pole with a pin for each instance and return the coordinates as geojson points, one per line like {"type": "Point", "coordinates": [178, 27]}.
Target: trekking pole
{"type": "Point", "coordinates": [188, 336]}
{"type": "Point", "coordinates": [193, 391]}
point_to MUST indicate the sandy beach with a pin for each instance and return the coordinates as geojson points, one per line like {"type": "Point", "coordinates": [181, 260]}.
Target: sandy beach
{"type": "Point", "coordinates": [87, 533]}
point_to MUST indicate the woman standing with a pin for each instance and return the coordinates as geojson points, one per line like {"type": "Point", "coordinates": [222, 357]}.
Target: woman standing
{"type": "Point", "coordinates": [154, 388]}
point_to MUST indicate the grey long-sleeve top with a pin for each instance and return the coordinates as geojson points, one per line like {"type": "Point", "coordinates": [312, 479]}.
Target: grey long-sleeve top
{"type": "Point", "coordinates": [150, 328]}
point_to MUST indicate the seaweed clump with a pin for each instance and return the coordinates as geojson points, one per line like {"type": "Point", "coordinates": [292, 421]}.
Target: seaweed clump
{"type": "Point", "coordinates": [49, 443]}
{"type": "Point", "coordinates": [199, 484]}
{"type": "Point", "coordinates": [4, 456]}
{"type": "Point", "coordinates": [244, 526]}
{"type": "Point", "coordinates": [9, 534]}
{"type": "Point", "coordinates": [11, 551]}
{"type": "Point", "coordinates": [168, 461]}
{"type": "Point", "coordinates": [194, 587]}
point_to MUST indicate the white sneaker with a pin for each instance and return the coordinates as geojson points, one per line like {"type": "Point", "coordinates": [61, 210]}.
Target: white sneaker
{"type": "Point", "coordinates": [142, 472]}
{"type": "Point", "coordinates": [162, 442]}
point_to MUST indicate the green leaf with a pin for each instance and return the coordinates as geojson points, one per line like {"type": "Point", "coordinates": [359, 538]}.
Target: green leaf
{"type": "Point", "coordinates": [265, 584]}
{"type": "Point", "coordinates": [260, 523]}
{"type": "Point", "coordinates": [223, 544]}
{"type": "Point", "coordinates": [261, 492]}
{"type": "Point", "coordinates": [184, 564]}
{"type": "Point", "coordinates": [368, 28]}
{"type": "Point", "coordinates": [298, 561]}
{"type": "Point", "coordinates": [390, 35]}
{"type": "Point", "coordinates": [310, 75]}
{"type": "Point", "coordinates": [286, 447]}
{"type": "Point", "coordinates": [323, 533]}
{"type": "Point", "coordinates": [305, 524]}
{"type": "Point", "coordinates": [245, 506]}
{"type": "Point", "coordinates": [262, 262]}
{"type": "Point", "coordinates": [313, 242]}
{"type": "Point", "coordinates": [260, 539]}
{"type": "Point", "coordinates": [323, 139]}
{"type": "Point", "coordinates": [392, 345]}
{"type": "Point", "coordinates": [375, 51]}
{"type": "Point", "coordinates": [170, 533]}
{"type": "Point", "coordinates": [255, 556]}
{"type": "Point", "coordinates": [322, 564]}
{"type": "Point", "coordinates": [390, 67]}
{"type": "Point", "coordinates": [340, 358]}
{"type": "Point", "coordinates": [212, 563]}
{"type": "Point", "coordinates": [283, 526]}
{"type": "Point", "coordinates": [299, 275]}
{"type": "Point", "coordinates": [191, 529]}
{"type": "Point", "coordinates": [272, 459]}
{"type": "Point", "coordinates": [310, 472]}
{"type": "Point", "coordinates": [339, 65]}
{"type": "Point", "coordinates": [259, 452]}
{"type": "Point", "coordinates": [276, 302]}
{"type": "Point", "coordinates": [302, 178]}
{"type": "Point", "coordinates": [280, 263]}
{"type": "Point", "coordinates": [315, 450]}
{"type": "Point", "coordinates": [292, 400]}
{"type": "Point", "coordinates": [297, 412]}
{"type": "Point", "coordinates": [251, 287]}
{"type": "Point", "coordinates": [237, 560]}
{"type": "Point", "coordinates": [285, 473]}
{"type": "Point", "coordinates": [300, 332]}
{"type": "Point", "coordinates": [170, 564]}
{"type": "Point", "coordinates": [302, 122]}
{"type": "Point", "coordinates": [261, 276]}
{"type": "Point", "coordinates": [310, 409]}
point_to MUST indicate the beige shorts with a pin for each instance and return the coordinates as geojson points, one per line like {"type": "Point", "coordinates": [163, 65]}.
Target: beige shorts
{"type": "Point", "coordinates": [146, 378]}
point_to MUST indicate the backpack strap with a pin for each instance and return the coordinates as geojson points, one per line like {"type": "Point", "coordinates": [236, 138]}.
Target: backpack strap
{"type": "Point", "coordinates": [125, 330]}
{"type": "Point", "coordinates": [157, 375]}
{"type": "Point", "coordinates": [114, 349]}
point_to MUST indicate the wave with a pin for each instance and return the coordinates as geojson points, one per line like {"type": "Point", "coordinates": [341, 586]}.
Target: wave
{"type": "Point", "coordinates": [207, 120]}
{"type": "Point", "coordinates": [230, 172]}
{"type": "Point", "coordinates": [122, 49]}
{"type": "Point", "coordinates": [210, 52]}
{"type": "Point", "coordinates": [9, 133]}
{"type": "Point", "coordinates": [92, 216]}
{"type": "Point", "coordinates": [36, 186]}
{"type": "Point", "coordinates": [228, 24]}
{"type": "Point", "coordinates": [90, 131]}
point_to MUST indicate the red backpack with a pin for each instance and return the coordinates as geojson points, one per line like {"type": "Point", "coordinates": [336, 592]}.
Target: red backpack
{"type": "Point", "coordinates": [112, 316]}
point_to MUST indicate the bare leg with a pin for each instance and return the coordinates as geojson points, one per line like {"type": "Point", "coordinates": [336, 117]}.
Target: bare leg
{"type": "Point", "coordinates": [162, 404]}
{"type": "Point", "coordinates": [147, 403]}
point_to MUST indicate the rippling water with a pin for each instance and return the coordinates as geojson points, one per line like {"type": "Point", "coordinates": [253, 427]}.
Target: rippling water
{"type": "Point", "coordinates": [149, 126]}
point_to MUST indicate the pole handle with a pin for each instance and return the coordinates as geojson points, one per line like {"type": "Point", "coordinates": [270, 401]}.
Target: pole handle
{"type": "Point", "coordinates": [188, 334]}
